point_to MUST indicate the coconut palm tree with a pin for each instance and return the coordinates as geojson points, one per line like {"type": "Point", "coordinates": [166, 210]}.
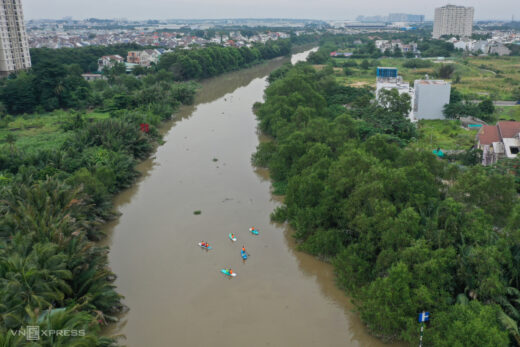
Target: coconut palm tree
{"type": "Point", "coordinates": [82, 327]}
{"type": "Point", "coordinates": [50, 209]}
{"type": "Point", "coordinates": [8, 339]}
{"type": "Point", "coordinates": [36, 279]}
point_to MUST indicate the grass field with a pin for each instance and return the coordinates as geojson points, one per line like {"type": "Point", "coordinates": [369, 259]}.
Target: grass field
{"type": "Point", "coordinates": [508, 113]}
{"type": "Point", "coordinates": [480, 77]}
{"type": "Point", "coordinates": [444, 134]}
{"type": "Point", "coordinates": [35, 132]}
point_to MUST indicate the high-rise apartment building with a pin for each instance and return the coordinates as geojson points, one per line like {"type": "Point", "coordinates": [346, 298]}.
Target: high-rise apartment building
{"type": "Point", "coordinates": [14, 47]}
{"type": "Point", "coordinates": [453, 20]}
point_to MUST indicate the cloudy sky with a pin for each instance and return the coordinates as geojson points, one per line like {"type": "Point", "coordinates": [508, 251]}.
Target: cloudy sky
{"type": "Point", "coordinates": [313, 9]}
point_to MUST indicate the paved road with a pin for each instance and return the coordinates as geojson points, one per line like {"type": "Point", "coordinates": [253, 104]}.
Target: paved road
{"type": "Point", "coordinates": [506, 103]}
{"type": "Point", "coordinates": [500, 103]}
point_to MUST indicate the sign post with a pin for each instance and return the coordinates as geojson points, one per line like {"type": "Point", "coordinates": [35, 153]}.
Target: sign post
{"type": "Point", "coordinates": [423, 317]}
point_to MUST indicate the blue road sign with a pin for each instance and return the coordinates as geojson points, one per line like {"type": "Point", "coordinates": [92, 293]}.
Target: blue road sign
{"type": "Point", "coordinates": [424, 317]}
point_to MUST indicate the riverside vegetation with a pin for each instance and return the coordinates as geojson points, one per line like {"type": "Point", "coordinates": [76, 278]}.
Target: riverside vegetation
{"type": "Point", "coordinates": [406, 232]}
{"type": "Point", "coordinates": [55, 190]}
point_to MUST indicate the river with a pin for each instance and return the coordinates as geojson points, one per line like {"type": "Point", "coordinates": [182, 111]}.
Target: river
{"type": "Point", "coordinates": [174, 290]}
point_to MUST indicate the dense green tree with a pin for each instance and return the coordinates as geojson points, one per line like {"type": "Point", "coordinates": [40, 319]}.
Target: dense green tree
{"type": "Point", "coordinates": [473, 324]}
{"type": "Point", "coordinates": [406, 232]}
{"type": "Point", "coordinates": [487, 107]}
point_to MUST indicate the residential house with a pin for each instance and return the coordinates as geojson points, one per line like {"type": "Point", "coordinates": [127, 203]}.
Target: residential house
{"type": "Point", "coordinates": [483, 46]}
{"type": "Point", "coordinates": [499, 141]}
{"type": "Point", "coordinates": [93, 76]}
{"type": "Point", "coordinates": [498, 48]}
{"type": "Point", "coordinates": [144, 58]}
{"type": "Point", "coordinates": [108, 61]}
{"type": "Point", "coordinates": [341, 54]}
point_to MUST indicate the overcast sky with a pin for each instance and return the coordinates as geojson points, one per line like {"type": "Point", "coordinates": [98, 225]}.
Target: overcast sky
{"type": "Point", "coordinates": [312, 9]}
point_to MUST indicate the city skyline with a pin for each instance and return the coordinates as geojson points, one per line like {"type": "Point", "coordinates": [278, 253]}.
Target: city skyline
{"type": "Point", "coordinates": [218, 9]}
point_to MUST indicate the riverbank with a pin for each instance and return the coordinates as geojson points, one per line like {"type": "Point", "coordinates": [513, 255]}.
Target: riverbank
{"type": "Point", "coordinates": [59, 172]}
{"type": "Point", "coordinates": [397, 222]}
{"type": "Point", "coordinates": [173, 290]}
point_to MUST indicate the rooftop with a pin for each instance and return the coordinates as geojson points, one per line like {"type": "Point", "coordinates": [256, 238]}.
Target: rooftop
{"type": "Point", "coordinates": [488, 134]}
{"type": "Point", "coordinates": [497, 133]}
{"type": "Point", "coordinates": [431, 82]}
{"type": "Point", "coordinates": [508, 129]}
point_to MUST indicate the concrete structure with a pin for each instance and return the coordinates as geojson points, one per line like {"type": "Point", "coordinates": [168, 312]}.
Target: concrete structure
{"type": "Point", "coordinates": [93, 76]}
{"type": "Point", "coordinates": [341, 54]}
{"type": "Point", "coordinates": [14, 47]}
{"type": "Point", "coordinates": [144, 58]}
{"type": "Point", "coordinates": [388, 79]}
{"type": "Point", "coordinates": [499, 141]}
{"type": "Point", "coordinates": [108, 61]}
{"type": "Point", "coordinates": [498, 48]}
{"type": "Point", "coordinates": [430, 97]}
{"type": "Point", "coordinates": [483, 46]}
{"type": "Point", "coordinates": [453, 20]}
{"type": "Point", "coordinates": [391, 45]}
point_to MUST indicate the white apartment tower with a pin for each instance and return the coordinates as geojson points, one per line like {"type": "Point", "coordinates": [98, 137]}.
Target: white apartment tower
{"type": "Point", "coordinates": [453, 20]}
{"type": "Point", "coordinates": [14, 47]}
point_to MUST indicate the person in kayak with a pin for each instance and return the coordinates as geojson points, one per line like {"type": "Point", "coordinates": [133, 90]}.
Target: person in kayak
{"type": "Point", "coordinates": [232, 236]}
{"type": "Point", "coordinates": [243, 248]}
{"type": "Point", "coordinates": [202, 243]}
{"type": "Point", "coordinates": [230, 271]}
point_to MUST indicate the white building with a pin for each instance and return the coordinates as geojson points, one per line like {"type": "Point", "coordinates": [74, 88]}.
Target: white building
{"type": "Point", "coordinates": [388, 79]}
{"type": "Point", "coordinates": [144, 58]}
{"type": "Point", "coordinates": [430, 97]}
{"type": "Point", "coordinates": [109, 61]}
{"type": "Point", "coordinates": [93, 76]}
{"type": "Point", "coordinates": [402, 88]}
{"type": "Point", "coordinates": [14, 47]}
{"type": "Point", "coordinates": [490, 46]}
{"type": "Point", "coordinates": [453, 20]}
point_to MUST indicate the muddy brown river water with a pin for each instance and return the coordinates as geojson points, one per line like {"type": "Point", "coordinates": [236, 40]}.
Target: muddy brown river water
{"type": "Point", "coordinates": [174, 290]}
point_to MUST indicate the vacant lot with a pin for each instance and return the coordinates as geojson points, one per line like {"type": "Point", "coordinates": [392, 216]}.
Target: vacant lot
{"type": "Point", "coordinates": [476, 77]}
{"type": "Point", "coordinates": [444, 134]}
{"type": "Point", "coordinates": [34, 132]}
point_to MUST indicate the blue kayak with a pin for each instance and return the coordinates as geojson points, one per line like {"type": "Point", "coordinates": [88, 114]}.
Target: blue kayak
{"type": "Point", "coordinates": [243, 254]}
{"type": "Point", "coordinates": [226, 272]}
{"type": "Point", "coordinates": [254, 231]}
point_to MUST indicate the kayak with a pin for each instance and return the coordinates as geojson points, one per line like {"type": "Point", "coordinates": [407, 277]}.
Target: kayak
{"type": "Point", "coordinates": [226, 272]}
{"type": "Point", "coordinates": [243, 254]}
{"type": "Point", "coordinates": [208, 248]}
{"type": "Point", "coordinates": [254, 231]}
{"type": "Point", "coordinates": [232, 238]}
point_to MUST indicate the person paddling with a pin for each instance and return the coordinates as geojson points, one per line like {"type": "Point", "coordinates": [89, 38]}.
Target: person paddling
{"type": "Point", "coordinates": [243, 249]}
{"type": "Point", "coordinates": [230, 271]}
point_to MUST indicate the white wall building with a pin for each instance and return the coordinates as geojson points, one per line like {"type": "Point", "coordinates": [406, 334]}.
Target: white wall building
{"type": "Point", "coordinates": [453, 20]}
{"type": "Point", "coordinates": [430, 97]}
{"type": "Point", "coordinates": [109, 61]}
{"type": "Point", "coordinates": [402, 88]}
{"type": "Point", "coordinates": [388, 79]}
{"type": "Point", "coordinates": [14, 47]}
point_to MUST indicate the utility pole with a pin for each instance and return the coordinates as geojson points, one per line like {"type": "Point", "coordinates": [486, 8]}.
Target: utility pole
{"type": "Point", "coordinates": [422, 331]}
{"type": "Point", "coordinates": [423, 317]}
